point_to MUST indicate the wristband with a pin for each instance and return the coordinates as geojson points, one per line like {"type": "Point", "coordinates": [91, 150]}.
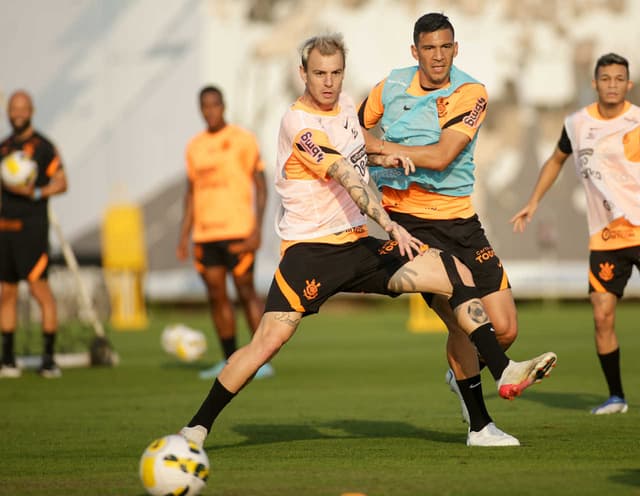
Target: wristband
{"type": "Point", "coordinates": [37, 194]}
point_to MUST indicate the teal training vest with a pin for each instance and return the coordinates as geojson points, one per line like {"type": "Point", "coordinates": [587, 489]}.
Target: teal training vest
{"type": "Point", "coordinates": [413, 120]}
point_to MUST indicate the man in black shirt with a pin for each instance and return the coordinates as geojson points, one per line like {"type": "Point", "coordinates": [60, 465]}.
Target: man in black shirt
{"type": "Point", "coordinates": [24, 234]}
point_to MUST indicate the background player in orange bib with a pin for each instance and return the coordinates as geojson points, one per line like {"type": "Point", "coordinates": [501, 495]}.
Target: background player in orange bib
{"type": "Point", "coordinates": [24, 234]}
{"type": "Point", "coordinates": [604, 138]}
{"type": "Point", "coordinates": [223, 211]}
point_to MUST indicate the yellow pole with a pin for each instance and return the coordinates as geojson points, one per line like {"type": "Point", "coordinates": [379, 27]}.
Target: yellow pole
{"type": "Point", "coordinates": [421, 317]}
{"type": "Point", "coordinates": [124, 260]}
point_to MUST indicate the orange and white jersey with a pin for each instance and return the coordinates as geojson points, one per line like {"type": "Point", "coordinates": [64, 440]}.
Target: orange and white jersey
{"type": "Point", "coordinates": [606, 154]}
{"type": "Point", "coordinates": [221, 168]}
{"type": "Point", "coordinates": [313, 205]}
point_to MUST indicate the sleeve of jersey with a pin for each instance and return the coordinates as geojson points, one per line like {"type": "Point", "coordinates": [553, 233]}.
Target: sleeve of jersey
{"type": "Point", "coordinates": [314, 151]}
{"type": "Point", "coordinates": [55, 164]}
{"type": "Point", "coordinates": [257, 165]}
{"type": "Point", "coordinates": [469, 111]}
{"type": "Point", "coordinates": [371, 109]}
{"type": "Point", "coordinates": [564, 143]}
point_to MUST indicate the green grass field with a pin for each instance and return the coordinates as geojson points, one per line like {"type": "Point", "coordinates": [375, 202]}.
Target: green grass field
{"type": "Point", "coordinates": [358, 404]}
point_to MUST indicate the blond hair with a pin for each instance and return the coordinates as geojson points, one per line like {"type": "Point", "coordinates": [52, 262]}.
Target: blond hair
{"type": "Point", "coordinates": [326, 44]}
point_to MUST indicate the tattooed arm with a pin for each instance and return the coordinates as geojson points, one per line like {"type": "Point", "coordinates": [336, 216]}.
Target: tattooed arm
{"type": "Point", "coordinates": [367, 202]}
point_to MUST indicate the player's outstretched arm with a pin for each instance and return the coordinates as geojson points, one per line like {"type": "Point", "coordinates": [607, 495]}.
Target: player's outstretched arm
{"type": "Point", "coordinates": [366, 199]}
{"type": "Point", "coordinates": [548, 175]}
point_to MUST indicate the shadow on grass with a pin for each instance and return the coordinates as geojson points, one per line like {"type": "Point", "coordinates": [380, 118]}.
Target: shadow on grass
{"type": "Point", "coordinates": [627, 476]}
{"type": "Point", "coordinates": [565, 400]}
{"type": "Point", "coordinates": [339, 429]}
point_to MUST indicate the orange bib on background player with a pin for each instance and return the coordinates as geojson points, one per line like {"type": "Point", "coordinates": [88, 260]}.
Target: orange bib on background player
{"type": "Point", "coordinates": [221, 166]}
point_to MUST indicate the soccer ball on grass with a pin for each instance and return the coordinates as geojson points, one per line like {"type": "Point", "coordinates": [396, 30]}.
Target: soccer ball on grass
{"type": "Point", "coordinates": [17, 169]}
{"type": "Point", "coordinates": [173, 465]}
{"type": "Point", "coordinates": [185, 343]}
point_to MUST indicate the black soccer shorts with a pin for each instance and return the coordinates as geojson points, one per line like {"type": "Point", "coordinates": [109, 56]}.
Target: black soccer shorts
{"type": "Point", "coordinates": [24, 250]}
{"type": "Point", "coordinates": [465, 239]}
{"type": "Point", "coordinates": [216, 253]}
{"type": "Point", "coordinates": [310, 273]}
{"type": "Point", "coordinates": [610, 270]}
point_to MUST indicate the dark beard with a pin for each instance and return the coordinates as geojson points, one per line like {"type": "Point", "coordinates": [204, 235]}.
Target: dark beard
{"type": "Point", "coordinates": [18, 130]}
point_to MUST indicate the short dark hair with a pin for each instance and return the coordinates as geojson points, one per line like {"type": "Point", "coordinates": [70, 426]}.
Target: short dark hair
{"type": "Point", "coordinates": [611, 59]}
{"type": "Point", "coordinates": [429, 23]}
{"type": "Point", "coordinates": [211, 89]}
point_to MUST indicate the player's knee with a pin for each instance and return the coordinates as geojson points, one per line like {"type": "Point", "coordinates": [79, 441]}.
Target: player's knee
{"type": "Point", "coordinates": [216, 293]}
{"type": "Point", "coordinates": [268, 344]}
{"type": "Point", "coordinates": [506, 332]}
{"type": "Point", "coordinates": [246, 292]}
{"type": "Point", "coordinates": [603, 320]}
{"type": "Point", "coordinates": [9, 293]}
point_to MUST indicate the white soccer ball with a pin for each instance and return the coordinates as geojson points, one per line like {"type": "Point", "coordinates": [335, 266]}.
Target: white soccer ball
{"type": "Point", "coordinates": [173, 465]}
{"type": "Point", "coordinates": [17, 169]}
{"type": "Point", "coordinates": [183, 342]}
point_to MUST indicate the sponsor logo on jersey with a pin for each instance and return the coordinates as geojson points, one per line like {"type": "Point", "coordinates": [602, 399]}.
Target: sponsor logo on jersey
{"type": "Point", "coordinates": [589, 173]}
{"type": "Point", "coordinates": [356, 230]}
{"type": "Point", "coordinates": [471, 120]}
{"type": "Point", "coordinates": [306, 141]}
{"type": "Point", "coordinates": [613, 234]}
{"type": "Point", "coordinates": [606, 271]}
{"type": "Point", "coordinates": [584, 155]}
{"type": "Point", "coordinates": [311, 290]}
{"type": "Point", "coordinates": [441, 105]}
{"type": "Point", "coordinates": [359, 160]}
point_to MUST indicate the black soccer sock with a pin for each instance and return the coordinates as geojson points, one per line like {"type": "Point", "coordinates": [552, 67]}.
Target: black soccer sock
{"type": "Point", "coordinates": [471, 391]}
{"type": "Point", "coordinates": [484, 338]}
{"type": "Point", "coordinates": [218, 397]}
{"type": "Point", "coordinates": [610, 363]}
{"type": "Point", "coordinates": [8, 356]}
{"type": "Point", "coordinates": [228, 346]}
{"type": "Point", "coordinates": [49, 340]}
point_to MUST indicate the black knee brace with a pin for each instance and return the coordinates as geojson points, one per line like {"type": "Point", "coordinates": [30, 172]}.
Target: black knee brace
{"type": "Point", "coordinates": [461, 292]}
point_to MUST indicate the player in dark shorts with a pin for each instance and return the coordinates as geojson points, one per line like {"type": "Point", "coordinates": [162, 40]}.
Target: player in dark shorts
{"type": "Point", "coordinates": [224, 207]}
{"type": "Point", "coordinates": [432, 112]}
{"type": "Point", "coordinates": [24, 234]}
{"type": "Point", "coordinates": [322, 180]}
{"type": "Point", "coordinates": [604, 139]}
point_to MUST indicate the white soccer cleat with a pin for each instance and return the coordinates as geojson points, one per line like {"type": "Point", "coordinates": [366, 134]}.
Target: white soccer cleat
{"type": "Point", "coordinates": [518, 376]}
{"type": "Point", "coordinates": [614, 404]}
{"type": "Point", "coordinates": [489, 436]}
{"type": "Point", "coordinates": [8, 371]}
{"type": "Point", "coordinates": [196, 434]}
{"type": "Point", "coordinates": [49, 369]}
{"type": "Point", "coordinates": [450, 378]}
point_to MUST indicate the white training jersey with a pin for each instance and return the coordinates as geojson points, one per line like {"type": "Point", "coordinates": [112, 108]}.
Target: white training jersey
{"type": "Point", "coordinates": [313, 205]}
{"type": "Point", "coordinates": [606, 155]}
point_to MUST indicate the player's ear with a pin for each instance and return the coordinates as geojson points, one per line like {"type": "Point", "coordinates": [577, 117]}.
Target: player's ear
{"type": "Point", "coordinates": [414, 52]}
{"type": "Point", "coordinates": [303, 74]}
{"type": "Point", "coordinates": [455, 48]}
